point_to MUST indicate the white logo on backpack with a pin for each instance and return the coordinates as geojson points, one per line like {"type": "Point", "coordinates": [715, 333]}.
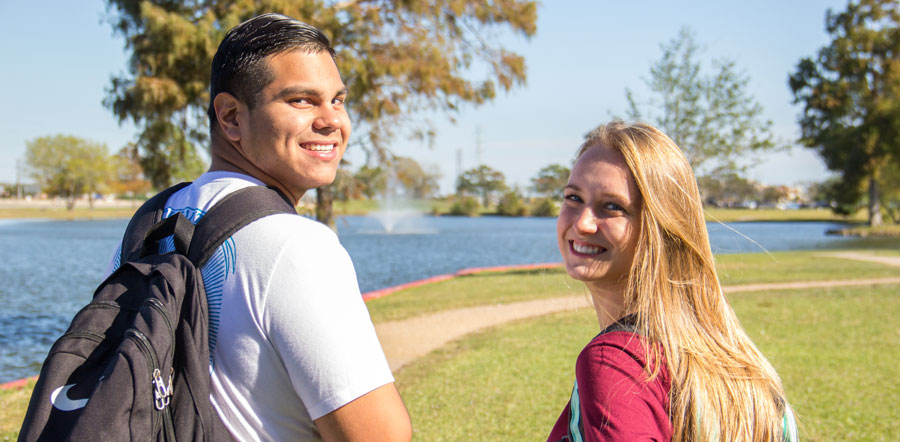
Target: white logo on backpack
{"type": "Point", "coordinates": [60, 399]}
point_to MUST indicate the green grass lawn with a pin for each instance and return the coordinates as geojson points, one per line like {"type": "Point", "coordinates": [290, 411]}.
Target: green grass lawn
{"type": "Point", "coordinates": [13, 404]}
{"type": "Point", "coordinates": [753, 268]}
{"type": "Point", "coordinates": [735, 215]}
{"type": "Point", "coordinates": [835, 349]}
{"type": "Point", "coordinates": [474, 290]}
{"type": "Point", "coordinates": [524, 285]}
{"type": "Point", "coordinates": [61, 213]}
{"type": "Point", "coordinates": [887, 231]}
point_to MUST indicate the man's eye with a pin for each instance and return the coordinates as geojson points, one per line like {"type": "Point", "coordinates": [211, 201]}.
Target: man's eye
{"type": "Point", "coordinates": [338, 101]}
{"type": "Point", "coordinates": [300, 101]}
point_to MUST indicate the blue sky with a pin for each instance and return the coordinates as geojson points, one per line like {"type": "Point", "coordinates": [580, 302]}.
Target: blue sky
{"type": "Point", "coordinates": [60, 55]}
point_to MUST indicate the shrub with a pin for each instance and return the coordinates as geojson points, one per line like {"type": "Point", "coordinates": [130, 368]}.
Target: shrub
{"type": "Point", "coordinates": [511, 204]}
{"type": "Point", "coordinates": [465, 206]}
{"type": "Point", "coordinates": [545, 207]}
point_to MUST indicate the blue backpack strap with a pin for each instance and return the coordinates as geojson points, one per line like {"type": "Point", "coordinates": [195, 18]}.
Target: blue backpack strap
{"type": "Point", "coordinates": [576, 426]}
{"type": "Point", "coordinates": [147, 216]}
{"type": "Point", "coordinates": [789, 425]}
{"type": "Point", "coordinates": [234, 211]}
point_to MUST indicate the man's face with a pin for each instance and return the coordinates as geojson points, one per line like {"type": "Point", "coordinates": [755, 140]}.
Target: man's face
{"type": "Point", "coordinates": [299, 130]}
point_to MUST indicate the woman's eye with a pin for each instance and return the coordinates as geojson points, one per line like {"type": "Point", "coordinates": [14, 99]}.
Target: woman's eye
{"type": "Point", "coordinates": [614, 207]}
{"type": "Point", "coordinates": [572, 197]}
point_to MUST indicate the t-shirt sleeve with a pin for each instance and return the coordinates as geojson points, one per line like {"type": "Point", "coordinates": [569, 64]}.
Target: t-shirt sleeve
{"type": "Point", "coordinates": [617, 403]}
{"type": "Point", "coordinates": [317, 322]}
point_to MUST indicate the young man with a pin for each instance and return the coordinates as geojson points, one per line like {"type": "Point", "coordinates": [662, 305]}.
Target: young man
{"type": "Point", "coordinates": [293, 352]}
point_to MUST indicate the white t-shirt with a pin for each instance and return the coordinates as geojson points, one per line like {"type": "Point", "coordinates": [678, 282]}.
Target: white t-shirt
{"type": "Point", "coordinates": [290, 337]}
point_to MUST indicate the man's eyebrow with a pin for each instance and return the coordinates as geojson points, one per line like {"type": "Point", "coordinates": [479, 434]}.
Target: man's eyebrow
{"type": "Point", "coordinates": [291, 91]}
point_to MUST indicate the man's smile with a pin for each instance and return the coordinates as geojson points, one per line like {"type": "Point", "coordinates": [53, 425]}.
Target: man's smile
{"type": "Point", "coordinates": [319, 147]}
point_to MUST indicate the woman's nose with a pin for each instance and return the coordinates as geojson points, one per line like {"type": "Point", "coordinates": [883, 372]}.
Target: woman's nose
{"type": "Point", "coordinates": [586, 222]}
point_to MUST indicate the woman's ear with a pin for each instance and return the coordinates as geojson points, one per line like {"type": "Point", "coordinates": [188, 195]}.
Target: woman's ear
{"type": "Point", "coordinates": [227, 107]}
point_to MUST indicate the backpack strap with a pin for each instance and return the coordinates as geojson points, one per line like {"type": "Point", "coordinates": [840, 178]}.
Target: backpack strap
{"type": "Point", "coordinates": [143, 220]}
{"type": "Point", "coordinates": [625, 323]}
{"type": "Point", "coordinates": [229, 215]}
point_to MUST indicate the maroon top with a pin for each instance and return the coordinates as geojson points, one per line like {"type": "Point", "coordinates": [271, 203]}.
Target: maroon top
{"type": "Point", "coordinates": [616, 401]}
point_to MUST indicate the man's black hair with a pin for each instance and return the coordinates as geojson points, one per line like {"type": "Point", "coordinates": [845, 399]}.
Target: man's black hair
{"type": "Point", "coordinates": [239, 66]}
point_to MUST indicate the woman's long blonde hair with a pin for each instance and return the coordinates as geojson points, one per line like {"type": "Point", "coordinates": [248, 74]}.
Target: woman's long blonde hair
{"type": "Point", "coordinates": [723, 388]}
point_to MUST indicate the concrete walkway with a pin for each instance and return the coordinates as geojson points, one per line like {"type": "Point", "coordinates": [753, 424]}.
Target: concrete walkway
{"type": "Point", "coordinates": [408, 339]}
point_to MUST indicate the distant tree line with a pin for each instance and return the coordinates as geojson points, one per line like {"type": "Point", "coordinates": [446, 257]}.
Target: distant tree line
{"type": "Point", "coordinates": [69, 167]}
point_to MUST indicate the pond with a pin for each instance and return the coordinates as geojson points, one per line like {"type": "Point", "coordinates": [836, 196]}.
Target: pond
{"type": "Point", "coordinates": [49, 269]}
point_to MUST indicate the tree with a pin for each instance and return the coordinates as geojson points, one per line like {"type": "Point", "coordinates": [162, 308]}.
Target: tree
{"type": "Point", "coordinates": [889, 183]}
{"type": "Point", "coordinates": [416, 182]}
{"type": "Point", "coordinates": [68, 166]}
{"type": "Point", "coordinates": [550, 181]}
{"type": "Point", "coordinates": [711, 116]}
{"type": "Point", "coordinates": [398, 58]}
{"type": "Point", "coordinates": [345, 186]}
{"type": "Point", "coordinates": [371, 180]}
{"type": "Point", "coordinates": [511, 204]}
{"type": "Point", "coordinates": [850, 94]}
{"type": "Point", "coordinates": [483, 181]}
{"type": "Point", "coordinates": [728, 190]}
{"type": "Point", "coordinates": [128, 177]}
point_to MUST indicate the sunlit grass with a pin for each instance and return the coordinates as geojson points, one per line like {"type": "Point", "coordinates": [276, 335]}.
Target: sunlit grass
{"type": "Point", "coordinates": [753, 268]}
{"type": "Point", "coordinates": [13, 404]}
{"type": "Point", "coordinates": [525, 285]}
{"type": "Point", "coordinates": [473, 290]}
{"type": "Point", "coordinates": [60, 213]}
{"type": "Point", "coordinates": [835, 349]}
{"type": "Point", "coordinates": [735, 215]}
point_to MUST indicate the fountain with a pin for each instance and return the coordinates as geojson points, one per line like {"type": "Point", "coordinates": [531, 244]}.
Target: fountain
{"type": "Point", "coordinates": [397, 215]}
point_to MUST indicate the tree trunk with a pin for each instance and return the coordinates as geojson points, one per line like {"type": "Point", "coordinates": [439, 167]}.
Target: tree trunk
{"type": "Point", "coordinates": [324, 200]}
{"type": "Point", "coordinates": [874, 204]}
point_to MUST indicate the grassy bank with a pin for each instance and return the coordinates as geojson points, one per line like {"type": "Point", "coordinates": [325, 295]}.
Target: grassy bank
{"type": "Point", "coordinates": [524, 285]}
{"type": "Point", "coordinates": [60, 213]}
{"type": "Point", "coordinates": [511, 382]}
{"type": "Point", "coordinates": [13, 404]}
{"type": "Point", "coordinates": [891, 231]}
{"type": "Point", "coordinates": [441, 207]}
{"type": "Point", "coordinates": [739, 215]}
{"type": "Point", "coordinates": [836, 350]}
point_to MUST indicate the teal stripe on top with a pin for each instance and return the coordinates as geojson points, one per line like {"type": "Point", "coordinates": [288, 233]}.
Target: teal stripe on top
{"type": "Point", "coordinates": [788, 434]}
{"type": "Point", "coordinates": [575, 426]}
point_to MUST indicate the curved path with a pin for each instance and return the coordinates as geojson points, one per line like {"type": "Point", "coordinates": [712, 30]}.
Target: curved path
{"type": "Point", "coordinates": [408, 339]}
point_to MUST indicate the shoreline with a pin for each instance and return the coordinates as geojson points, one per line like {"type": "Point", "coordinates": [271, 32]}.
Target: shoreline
{"type": "Point", "coordinates": [375, 294]}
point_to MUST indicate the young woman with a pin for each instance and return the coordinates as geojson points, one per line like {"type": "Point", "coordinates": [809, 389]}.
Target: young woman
{"type": "Point", "coordinates": [672, 361]}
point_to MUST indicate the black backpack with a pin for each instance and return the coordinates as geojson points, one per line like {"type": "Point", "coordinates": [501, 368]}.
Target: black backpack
{"type": "Point", "coordinates": [134, 363]}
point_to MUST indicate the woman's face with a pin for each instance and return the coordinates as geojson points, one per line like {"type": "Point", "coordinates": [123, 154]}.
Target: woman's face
{"type": "Point", "coordinates": [599, 222]}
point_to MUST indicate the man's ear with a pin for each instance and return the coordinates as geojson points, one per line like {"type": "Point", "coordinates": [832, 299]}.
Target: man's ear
{"type": "Point", "coordinates": [227, 107]}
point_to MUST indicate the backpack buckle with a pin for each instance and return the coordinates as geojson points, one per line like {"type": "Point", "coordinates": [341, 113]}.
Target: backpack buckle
{"type": "Point", "coordinates": [161, 391]}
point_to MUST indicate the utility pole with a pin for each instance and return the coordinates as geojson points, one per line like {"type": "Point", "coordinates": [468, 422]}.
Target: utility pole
{"type": "Point", "coordinates": [478, 145]}
{"type": "Point", "coordinates": [458, 168]}
{"type": "Point", "coordinates": [18, 179]}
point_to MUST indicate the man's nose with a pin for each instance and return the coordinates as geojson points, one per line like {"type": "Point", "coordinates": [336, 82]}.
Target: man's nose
{"type": "Point", "coordinates": [328, 118]}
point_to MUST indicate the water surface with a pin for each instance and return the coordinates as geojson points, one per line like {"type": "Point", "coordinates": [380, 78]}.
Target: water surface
{"type": "Point", "coordinates": [49, 269]}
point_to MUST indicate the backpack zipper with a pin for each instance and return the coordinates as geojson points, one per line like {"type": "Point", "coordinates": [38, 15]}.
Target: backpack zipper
{"type": "Point", "coordinates": [147, 349]}
{"type": "Point", "coordinates": [163, 392]}
{"type": "Point", "coordinates": [157, 305]}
